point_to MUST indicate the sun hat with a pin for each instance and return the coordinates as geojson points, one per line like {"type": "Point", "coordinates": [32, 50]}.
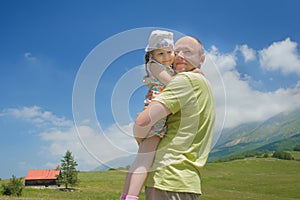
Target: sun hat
{"type": "Point", "coordinates": [160, 40]}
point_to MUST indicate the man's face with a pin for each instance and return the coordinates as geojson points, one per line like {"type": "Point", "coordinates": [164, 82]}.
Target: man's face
{"type": "Point", "coordinates": [187, 54]}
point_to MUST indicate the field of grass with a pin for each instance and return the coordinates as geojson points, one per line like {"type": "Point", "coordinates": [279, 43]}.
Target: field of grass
{"type": "Point", "coordinates": [253, 178]}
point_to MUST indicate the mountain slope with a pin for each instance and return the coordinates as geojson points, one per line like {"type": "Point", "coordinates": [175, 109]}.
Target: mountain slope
{"type": "Point", "coordinates": [282, 145]}
{"type": "Point", "coordinates": [252, 136]}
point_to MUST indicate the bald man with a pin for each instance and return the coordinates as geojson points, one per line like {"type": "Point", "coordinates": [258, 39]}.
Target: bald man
{"type": "Point", "coordinates": [189, 104]}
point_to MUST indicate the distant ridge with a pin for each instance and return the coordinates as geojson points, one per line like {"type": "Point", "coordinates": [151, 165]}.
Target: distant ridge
{"type": "Point", "coordinates": [258, 136]}
{"type": "Point", "coordinates": [280, 132]}
{"type": "Point", "coordinates": [287, 144]}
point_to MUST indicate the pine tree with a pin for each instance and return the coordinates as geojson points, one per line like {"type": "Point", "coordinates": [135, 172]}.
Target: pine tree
{"type": "Point", "coordinates": [68, 172]}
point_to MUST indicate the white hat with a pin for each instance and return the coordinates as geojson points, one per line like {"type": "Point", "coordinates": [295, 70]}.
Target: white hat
{"type": "Point", "coordinates": [160, 40]}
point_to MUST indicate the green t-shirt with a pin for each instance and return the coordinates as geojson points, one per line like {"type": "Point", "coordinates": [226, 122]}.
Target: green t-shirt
{"type": "Point", "coordinates": [186, 145]}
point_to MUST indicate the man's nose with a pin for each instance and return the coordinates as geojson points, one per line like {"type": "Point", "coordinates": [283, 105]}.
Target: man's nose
{"type": "Point", "coordinates": [180, 54]}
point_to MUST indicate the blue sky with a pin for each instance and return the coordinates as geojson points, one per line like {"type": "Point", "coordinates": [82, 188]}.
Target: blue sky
{"type": "Point", "coordinates": [253, 63]}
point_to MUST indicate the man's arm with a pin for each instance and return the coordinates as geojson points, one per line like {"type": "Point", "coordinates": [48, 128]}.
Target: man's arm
{"type": "Point", "coordinates": [146, 119]}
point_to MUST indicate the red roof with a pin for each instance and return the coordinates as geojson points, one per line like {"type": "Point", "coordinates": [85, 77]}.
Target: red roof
{"type": "Point", "coordinates": [44, 174]}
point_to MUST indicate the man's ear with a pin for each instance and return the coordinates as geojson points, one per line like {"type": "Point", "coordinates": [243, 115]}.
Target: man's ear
{"type": "Point", "coordinates": [202, 59]}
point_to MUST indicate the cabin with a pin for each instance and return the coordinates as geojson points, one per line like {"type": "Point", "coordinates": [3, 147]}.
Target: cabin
{"type": "Point", "coordinates": [45, 177]}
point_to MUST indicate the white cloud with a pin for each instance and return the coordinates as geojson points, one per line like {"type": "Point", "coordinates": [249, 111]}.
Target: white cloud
{"type": "Point", "coordinates": [243, 103]}
{"type": "Point", "coordinates": [37, 116]}
{"type": "Point", "coordinates": [248, 53]}
{"type": "Point", "coordinates": [225, 62]}
{"type": "Point", "coordinates": [281, 56]}
{"type": "Point", "coordinates": [59, 141]}
{"type": "Point", "coordinates": [89, 146]}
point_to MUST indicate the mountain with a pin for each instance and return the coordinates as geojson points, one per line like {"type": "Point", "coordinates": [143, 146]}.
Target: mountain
{"type": "Point", "coordinates": [116, 163]}
{"type": "Point", "coordinates": [253, 136]}
{"type": "Point", "coordinates": [279, 133]}
{"type": "Point", "coordinates": [287, 144]}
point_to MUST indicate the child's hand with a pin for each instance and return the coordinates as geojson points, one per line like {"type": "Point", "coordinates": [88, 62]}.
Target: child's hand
{"type": "Point", "coordinates": [197, 70]}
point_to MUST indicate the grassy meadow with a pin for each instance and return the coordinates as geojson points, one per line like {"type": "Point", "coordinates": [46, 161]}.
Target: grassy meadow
{"type": "Point", "coordinates": [252, 178]}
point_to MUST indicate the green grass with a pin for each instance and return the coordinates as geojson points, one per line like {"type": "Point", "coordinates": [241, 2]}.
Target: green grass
{"type": "Point", "coordinates": [296, 155]}
{"type": "Point", "coordinates": [253, 178]}
{"type": "Point", "coordinates": [93, 185]}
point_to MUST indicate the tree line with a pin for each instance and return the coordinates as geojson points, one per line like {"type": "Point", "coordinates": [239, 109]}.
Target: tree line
{"type": "Point", "coordinates": [261, 154]}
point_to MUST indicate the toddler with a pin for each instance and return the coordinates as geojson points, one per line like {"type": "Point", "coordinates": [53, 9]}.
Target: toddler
{"type": "Point", "coordinates": [158, 64]}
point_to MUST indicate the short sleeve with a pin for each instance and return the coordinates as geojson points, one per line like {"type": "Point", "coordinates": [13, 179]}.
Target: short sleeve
{"type": "Point", "coordinates": [175, 95]}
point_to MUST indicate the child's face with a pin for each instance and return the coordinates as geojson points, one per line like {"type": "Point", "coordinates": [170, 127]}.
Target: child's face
{"type": "Point", "coordinates": [164, 56]}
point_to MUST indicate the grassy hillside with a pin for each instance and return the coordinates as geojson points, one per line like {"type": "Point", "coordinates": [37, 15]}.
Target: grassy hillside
{"type": "Point", "coordinates": [251, 136]}
{"type": "Point", "coordinates": [252, 179]}
{"type": "Point", "coordinates": [278, 127]}
{"type": "Point", "coordinates": [241, 179]}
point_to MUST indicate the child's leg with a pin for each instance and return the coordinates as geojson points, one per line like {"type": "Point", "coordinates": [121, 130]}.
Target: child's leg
{"type": "Point", "coordinates": [138, 171]}
{"type": "Point", "coordinates": [126, 186]}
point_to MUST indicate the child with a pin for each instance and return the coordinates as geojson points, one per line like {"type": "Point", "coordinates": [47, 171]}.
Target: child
{"type": "Point", "coordinates": [158, 61]}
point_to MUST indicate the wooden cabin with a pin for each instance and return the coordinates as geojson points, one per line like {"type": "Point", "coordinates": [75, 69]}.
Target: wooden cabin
{"type": "Point", "coordinates": [45, 177]}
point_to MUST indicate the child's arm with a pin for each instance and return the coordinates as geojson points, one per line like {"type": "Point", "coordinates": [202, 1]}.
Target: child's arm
{"type": "Point", "coordinates": [160, 73]}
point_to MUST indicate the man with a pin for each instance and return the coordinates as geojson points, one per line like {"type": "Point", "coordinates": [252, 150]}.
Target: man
{"type": "Point", "coordinates": [189, 104]}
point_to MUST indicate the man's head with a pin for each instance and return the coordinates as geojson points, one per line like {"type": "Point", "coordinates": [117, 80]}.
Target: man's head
{"type": "Point", "coordinates": [189, 54]}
